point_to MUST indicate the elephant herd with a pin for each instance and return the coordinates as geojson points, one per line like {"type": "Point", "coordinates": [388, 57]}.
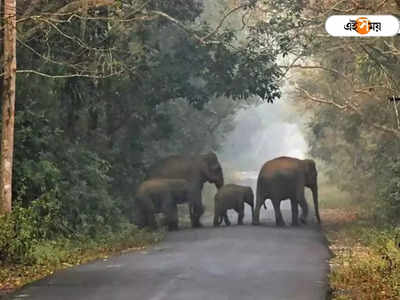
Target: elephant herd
{"type": "Point", "coordinates": [179, 179]}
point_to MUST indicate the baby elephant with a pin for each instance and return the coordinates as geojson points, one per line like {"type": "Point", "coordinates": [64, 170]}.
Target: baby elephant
{"type": "Point", "coordinates": [232, 196]}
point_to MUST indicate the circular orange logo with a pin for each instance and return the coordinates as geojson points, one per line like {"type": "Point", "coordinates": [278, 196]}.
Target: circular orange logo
{"type": "Point", "coordinates": [362, 25]}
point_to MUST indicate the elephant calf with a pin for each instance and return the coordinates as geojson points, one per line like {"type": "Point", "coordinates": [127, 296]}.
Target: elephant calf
{"type": "Point", "coordinates": [160, 196]}
{"type": "Point", "coordinates": [232, 196]}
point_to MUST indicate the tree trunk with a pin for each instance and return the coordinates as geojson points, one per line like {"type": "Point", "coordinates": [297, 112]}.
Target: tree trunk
{"type": "Point", "coordinates": [8, 105]}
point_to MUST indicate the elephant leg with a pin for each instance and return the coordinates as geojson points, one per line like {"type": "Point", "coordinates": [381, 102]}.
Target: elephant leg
{"type": "Point", "coordinates": [217, 220]}
{"type": "Point", "coordinates": [140, 218]}
{"type": "Point", "coordinates": [170, 210]}
{"type": "Point", "coordinates": [303, 204]}
{"type": "Point", "coordinates": [173, 221]}
{"type": "Point", "coordinates": [278, 215]}
{"type": "Point", "coordinates": [240, 218]}
{"type": "Point", "coordinates": [295, 212]}
{"type": "Point", "coordinates": [217, 215]}
{"type": "Point", "coordinates": [195, 220]}
{"type": "Point", "coordinates": [240, 212]}
{"type": "Point", "coordinates": [256, 218]}
{"type": "Point", "coordinates": [226, 219]}
{"type": "Point", "coordinates": [151, 221]}
{"type": "Point", "coordinates": [196, 209]}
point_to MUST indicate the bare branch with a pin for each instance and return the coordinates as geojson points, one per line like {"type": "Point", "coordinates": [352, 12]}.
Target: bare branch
{"type": "Point", "coordinates": [315, 67]}
{"type": "Point", "coordinates": [69, 8]}
{"type": "Point", "coordinates": [88, 75]}
{"type": "Point", "coordinates": [177, 23]}
{"type": "Point", "coordinates": [318, 99]}
{"type": "Point", "coordinates": [222, 21]}
{"type": "Point", "coordinates": [350, 106]}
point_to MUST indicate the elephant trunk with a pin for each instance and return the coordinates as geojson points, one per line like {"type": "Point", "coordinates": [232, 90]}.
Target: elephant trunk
{"type": "Point", "coordinates": [314, 190]}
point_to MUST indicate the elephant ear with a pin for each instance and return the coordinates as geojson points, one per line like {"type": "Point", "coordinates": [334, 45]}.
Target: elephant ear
{"type": "Point", "coordinates": [212, 169]}
{"type": "Point", "coordinates": [310, 168]}
{"type": "Point", "coordinates": [210, 156]}
{"type": "Point", "coordinates": [211, 160]}
{"type": "Point", "coordinates": [310, 165]}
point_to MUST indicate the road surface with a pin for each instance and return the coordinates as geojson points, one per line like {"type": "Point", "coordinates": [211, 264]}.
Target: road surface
{"type": "Point", "coordinates": [226, 263]}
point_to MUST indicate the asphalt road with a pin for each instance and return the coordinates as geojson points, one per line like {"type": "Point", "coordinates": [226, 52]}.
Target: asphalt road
{"type": "Point", "coordinates": [226, 263]}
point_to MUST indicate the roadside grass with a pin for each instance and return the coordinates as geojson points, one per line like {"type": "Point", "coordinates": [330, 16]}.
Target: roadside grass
{"type": "Point", "coordinates": [366, 262]}
{"type": "Point", "coordinates": [54, 255]}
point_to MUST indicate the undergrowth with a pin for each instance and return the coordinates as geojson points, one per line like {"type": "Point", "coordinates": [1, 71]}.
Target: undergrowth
{"type": "Point", "coordinates": [366, 262]}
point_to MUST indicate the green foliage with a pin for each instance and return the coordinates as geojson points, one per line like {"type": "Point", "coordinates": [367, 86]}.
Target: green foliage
{"type": "Point", "coordinates": [22, 230]}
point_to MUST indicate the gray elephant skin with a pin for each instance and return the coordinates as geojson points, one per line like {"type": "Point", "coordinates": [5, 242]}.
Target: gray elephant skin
{"type": "Point", "coordinates": [232, 196]}
{"type": "Point", "coordinates": [197, 170]}
{"type": "Point", "coordinates": [160, 196]}
{"type": "Point", "coordinates": [285, 178]}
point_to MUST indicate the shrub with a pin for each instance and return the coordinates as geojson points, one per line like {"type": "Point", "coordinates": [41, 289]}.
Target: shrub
{"type": "Point", "coordinates": [388, 206]}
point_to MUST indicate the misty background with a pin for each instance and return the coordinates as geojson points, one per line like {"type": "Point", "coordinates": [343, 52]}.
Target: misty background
{"type": "Point", "coordinates": [261, 133]}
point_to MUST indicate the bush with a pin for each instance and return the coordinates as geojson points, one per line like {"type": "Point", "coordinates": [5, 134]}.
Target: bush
{"type": "Point", "coordinates": [388, 206]}
{"type": "Point", "coordinates": [21, 230]}
{"type": "Point", "coordinates": [369, 269]}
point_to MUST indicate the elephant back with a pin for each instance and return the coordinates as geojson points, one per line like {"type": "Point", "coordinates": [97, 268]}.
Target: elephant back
{"type": "Point", "coordinates": [281, 168]}
{"type": "Point", "coordinates": [230, 195]}
{"type": "Point", "coordinates": [196, 169]}
{"type": "Point", "coordinates": [174, 167]}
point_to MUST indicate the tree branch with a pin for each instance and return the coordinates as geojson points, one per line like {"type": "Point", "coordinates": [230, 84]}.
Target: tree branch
{"type": "Point", "coordinates": [315, 67]}
{"type": "Point", "coordinates": [346, 106]}
{"type": "Point", "coordinates": [88, 75]}
{"type": "Point", "coordinates": [223, 20]}
{"type": "Point", "coordinates": [67, 9]}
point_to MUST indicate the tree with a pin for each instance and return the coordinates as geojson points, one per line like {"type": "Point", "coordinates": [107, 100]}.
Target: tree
{"type": "Point", "coordinates": [347, 87]}
{"type": "Point", "coordinates": [8, 105]}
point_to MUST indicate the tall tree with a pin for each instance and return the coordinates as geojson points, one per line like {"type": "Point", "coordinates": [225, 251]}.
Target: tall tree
{"type": "Point", "coordinates": [8, 104]}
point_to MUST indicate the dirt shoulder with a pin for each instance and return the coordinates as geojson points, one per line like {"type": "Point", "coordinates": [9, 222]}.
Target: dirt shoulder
{"type": "Point", "coordinates": [366, 261]}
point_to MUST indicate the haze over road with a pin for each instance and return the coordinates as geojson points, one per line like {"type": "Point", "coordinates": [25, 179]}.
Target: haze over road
{"type": "Point", "coordinates": [226, 263]}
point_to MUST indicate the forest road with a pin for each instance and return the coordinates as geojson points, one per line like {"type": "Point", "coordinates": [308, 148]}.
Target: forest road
{"type": "Point", "coordinates": [225, 263]}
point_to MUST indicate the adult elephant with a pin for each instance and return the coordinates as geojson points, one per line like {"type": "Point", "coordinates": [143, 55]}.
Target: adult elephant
{"type": "Point", "coordinates": [285, 178]}
{"type": "Point", "coordinates": [160, 196]}
{"type": "Point", "coordinates": [232, 196]}
{"type": "Point", "coordinates": [197, 170]}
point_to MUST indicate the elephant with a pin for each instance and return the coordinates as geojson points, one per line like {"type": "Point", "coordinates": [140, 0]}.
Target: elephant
{"type": "Point", "coordinates": [197, 170]}
{"type": "Point", "coordinates": [160, 196]}
{"type": "Point", "coordinates": [285, 178]}
{"type": "Point", "coordinates": [232, 196]}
